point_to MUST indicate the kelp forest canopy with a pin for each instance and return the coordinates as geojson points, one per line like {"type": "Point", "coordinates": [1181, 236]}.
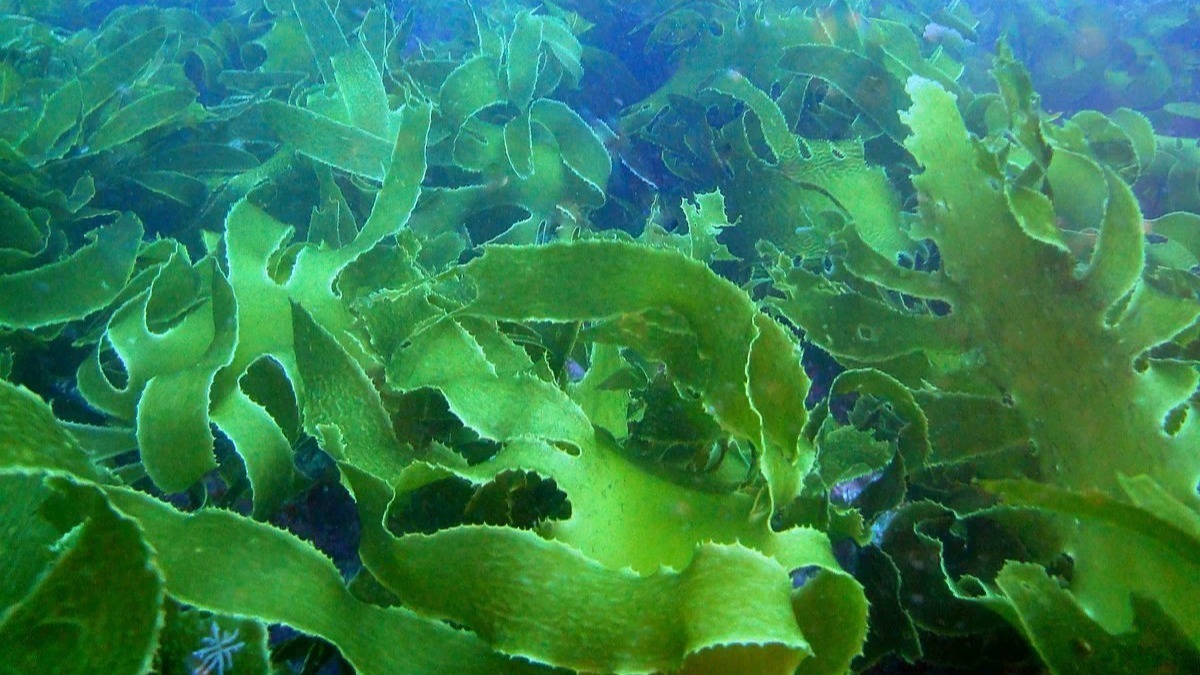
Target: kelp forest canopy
{"type": "Point", "coordinates": [697, 336]}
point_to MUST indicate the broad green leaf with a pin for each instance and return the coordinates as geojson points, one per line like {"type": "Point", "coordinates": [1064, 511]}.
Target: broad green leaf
{"type": "Point", "coordinates": [862, 328]}
{"type": "Point", "coordinates": [96, 607]}
{"type": "Point", "coordinates": [606, 408]}
{"type": "Point", "coordinates": [1164, 531]}
{"type": "Point", "coordinates": [28, 537]}
{"type": "Point", "coordinates": [871, 87]}
{"type": "Point", "coordinates": [252, 240]}
{"type": "Point", "coordinates": [1140, 132]}
{"type": "Point", "coordinates": [639, 518]}
{"type": "Point", "coordinates": [500, 407]}
{"type": "Point", "coordinates": [76, 286]}
{"type": "Point", "coordinates": [590, 281]}
{"type": "Point", "coordinates": [34, 440]}
{"type": "Point", "coordinates": [582, 152]}
{"type": "Point", "coordinates": [473, 86]}
{"type": "Point", "coordinates": [339, 145]}
{"type": "Point", "coordinates": [406, 167]}
{"type": "Point", "coordinates": [173, 429]}
{"type": "Point", "coordinates": [104, 79]}
{"type": "Point", "coordinates": [264, 304]}
{"type": "Point", "coordinates": [22, 237]}
{"type": "Point", "coordinates": [1183, 109]}
{"type": "Point", "coordinates": [360, 433]}
{"type": "Point", "coordinates": [186, 191]}
{"type": "Point", "coordinates": [838, 170]}
{"type": "Point", "coordinates": [222, 562]}
{"type": "Point", "coordinates": [1107, 142]}
{"type": "Point", "coordinates": [361, 87]}
{"type": "Point", "coordinates": [81, 96]}
{"type": "Point", "coordinates": [173, 409]}
{"type": "Point", "coordinates": [1183, 187]}
{"type": "Point", "coordinates": [146, 113]}
{"type": "Point", "coordinates": [524, 51]}
{"type": "Point", "coordinates": [981, 254]}
{"type": "Point", "coordinates": [1034, 212]}
{"type": "Point", "coordinates": [264, 449]}
{"type": "Point", "coordinates": [752, 43]}
{"type": "Point", "coordinates": [956, 433]}
{"type": "Point", "coordinates": [1070, 641]}
{"type": "Point", "coordinates": [913, 439]}
{"type": "Point", "coordinates": [867, 262]}
{"type": "Point", "coordinates": [1079, 189]}
{"type": "Point", "coordinates": [706, 218]}
{"type": "Point", "coordinates": [518, 145]}
{"type": "Point", "coordinates": [203, 158]}
{"type": "Point", "coordinates": [323, 34]}
{"type": "Point", "coordinates": [565, 47]}
{"type": "Point", "coordinates": [1117, 264]}
{"type": "Point", "coordinates": [729, 605]}
{"type": "Point", "coordinates": [60, 114]}
{"type": "Point", "coordinates": [785, 147]}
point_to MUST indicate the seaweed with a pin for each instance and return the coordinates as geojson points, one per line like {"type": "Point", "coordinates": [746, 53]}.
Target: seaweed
{"type": "Point", "coordinates": [877, 361]}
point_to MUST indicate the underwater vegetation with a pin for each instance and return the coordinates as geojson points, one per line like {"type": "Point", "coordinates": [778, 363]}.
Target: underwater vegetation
{"type": "Point", "coordinates": [682, 337]}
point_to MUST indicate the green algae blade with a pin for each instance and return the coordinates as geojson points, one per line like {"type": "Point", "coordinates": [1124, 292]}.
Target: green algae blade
{"type": "Point", "coordinates": [132, 548]}
{"type": "Point", "coordinates": [582, 151]}
{"type": "Point", "coordinates": [471, 87]}
{"type": "Point", "coordinates": [329, 141]}
{"type": "Point", "coordinates": [577, 614]}
{"type": "Point", "coordinates": [836, 169]}
{"type": "Point", "coordinates": [604, 280]}
{"type": "Point", "coordinates": [171, 372]}
{"type": "Point", "coordinates": [502, 406]}
{"type": "Point", "coordinates": [538, 616]}
{"type": "Point", "coordinates": [1116, 266]}
{"type": "Point", "coordinates": [219, 561]}
{"type": "Point", "coordinates": [1051, 299]}
{"type": "Point", "coordinates": [524, 49]}
{"type": "Point", "coordinates": [360, 434]}
{"type": "Point", "coordinates": [34, 440]}
{"type": "Point", "coordinates": [97, 606]}
{"type": "Point", "coordinates": [360, 85]}
{"type": "Point", "coordinates": [80, 589]}
{"type": "Point", "coordinates": [22, 238]}
{"type": "Point", "coordinates": [1162, 577]}
{"type": "Point", "coordinates": [872, 88]}
{"type": "Point", "coordinates": [86, 281]}
{"type": "Point", "coordinates": [84, 94]}
{"type": "Point", "coordinates": [173, 429]}
{"type": "Point", "coordinates": [146, 113]}
{"type": "Point", "coordinates": [518, 145]}
{"type": "Point", "coordinates": [1070, 641]}
{"type": "Point", "coordinates": [263, 447]}
{"type": "Point", "coordinates": [322, 34]}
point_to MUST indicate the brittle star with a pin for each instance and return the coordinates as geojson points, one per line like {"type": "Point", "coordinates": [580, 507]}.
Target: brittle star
{"type": "Point", "coordinates": [217, 653]}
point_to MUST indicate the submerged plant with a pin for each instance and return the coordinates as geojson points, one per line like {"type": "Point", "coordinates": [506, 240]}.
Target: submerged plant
{"type": "Point", "coordinates": [941, 386]}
